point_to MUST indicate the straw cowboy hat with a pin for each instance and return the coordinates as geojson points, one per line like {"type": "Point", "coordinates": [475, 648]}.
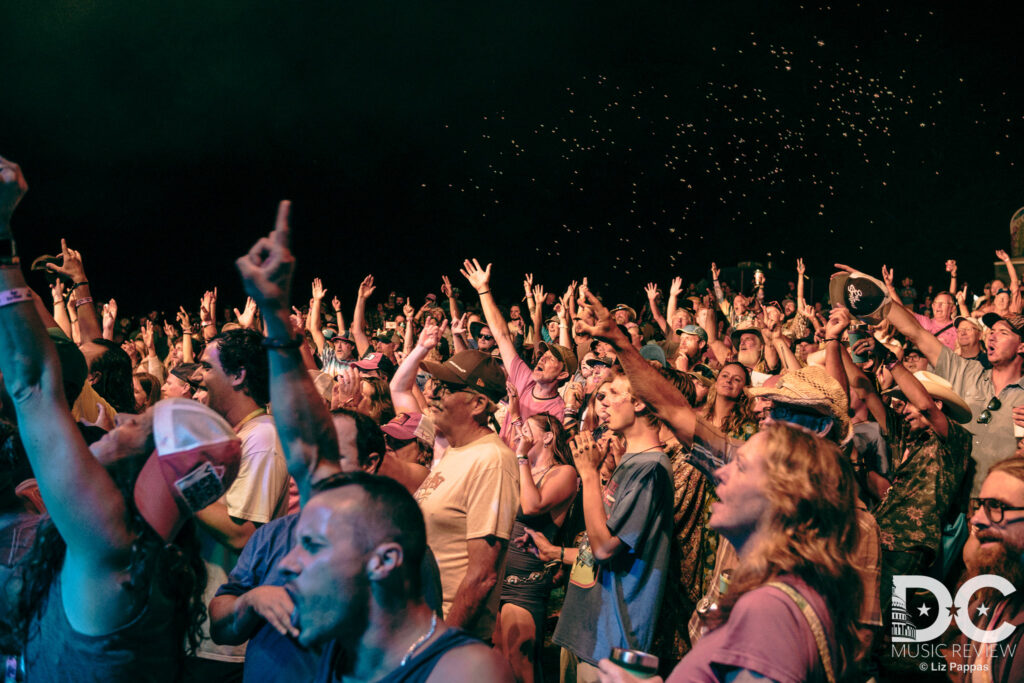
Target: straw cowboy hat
{"type": "Point", "coordinates": [811, 387]}
{"type": "Point", "coordinates": [954, 406]}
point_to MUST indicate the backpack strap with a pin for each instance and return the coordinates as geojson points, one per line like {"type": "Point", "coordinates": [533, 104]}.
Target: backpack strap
{"type": "Point", "coordinates": [813, 622]}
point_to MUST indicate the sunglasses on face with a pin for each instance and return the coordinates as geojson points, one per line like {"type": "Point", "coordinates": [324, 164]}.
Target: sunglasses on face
{"type": "Point", "coordinates": [994, 508]}
{"type": "Point", "coordinates": [486, 337]}
{"type": "Point", "coordinates": [986, 415]}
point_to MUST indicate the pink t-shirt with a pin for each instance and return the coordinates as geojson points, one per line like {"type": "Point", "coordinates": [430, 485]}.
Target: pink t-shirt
{"type": "Point", "coordinates": [520, 375]}
{"type": "Point", "coordinates": [948, 336]}
{"type": "Point", "coordinates": [767, 634]}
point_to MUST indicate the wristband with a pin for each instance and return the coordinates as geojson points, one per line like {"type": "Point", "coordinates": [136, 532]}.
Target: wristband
{"type": "Point", "coordinates": [293, 343]}
{"type": "Point", "coordinates": [486, 291]}
{"type": "Point", "coordinates": [835, 339]}
{"type": "Point", "coordinates": [83, 283]}
{"type": "Point", "coordinates": [522, 460]}
{"type": "Point", "coordinates": [561, 555]}
{"type": "Point", "coordinates": [15, 296]}
{"type": "Point", "coordinates": [81, 302]}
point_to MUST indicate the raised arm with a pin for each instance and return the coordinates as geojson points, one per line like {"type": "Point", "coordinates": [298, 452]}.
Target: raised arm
{"type": "Point", "coordinates": [459, 333]}
{"type": "Point", "coordinates": [187, 354]}
{"type": "Point", "coordinates": [313, 322]}
{"type": "Point", "coordinates": [1011, 272]}
{"type": "Point", "coordinates": [838, 322]}
{"type": "Point", "coordinates": [907, 324]}
{"type": "Point", "coordinates": [109, 319]}
{"type": "Point", "coordinates": [674, 290]}
{"type": "Point", "coordinates": [951, 269]}
{"type": "Point", "coordinates": [706, 319]}
{"type": "Point", "coordinates": [403, 383]}
{"type": "Point", "coordinates": [652, 300]}
{"type": "Point", "coordinates": [800, 271]}
{"type": "Point", "coordinates": [60, 308]}
{"type": "Point", "coordinates": [89, 325]}
{"type": "Point", "coordinates": [302, 419]}
{"type": "Point", "coordinates": [449, 291]}
{"type": "Point", "coordinates": [919, 397]}
{"type": "Point", "coordinates": [480, 279]}
{"type": "Point", "coordinates": [647, 383]}
{"type": "Point", "coordinates": [358, 329]}
{"type": "Point", "coordinates": [81, 498]}
{"type": "Point", "coordinates": [338, 315]}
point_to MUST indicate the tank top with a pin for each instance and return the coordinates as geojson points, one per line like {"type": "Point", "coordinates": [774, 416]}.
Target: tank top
{"type": "Point", "coordinates": [148, 649]}
{"type": "Point", "coordinates": [416, 670]}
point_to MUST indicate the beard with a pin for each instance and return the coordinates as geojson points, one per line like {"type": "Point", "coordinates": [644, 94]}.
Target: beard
{"type": "Point", "coordinates": [999, 558]}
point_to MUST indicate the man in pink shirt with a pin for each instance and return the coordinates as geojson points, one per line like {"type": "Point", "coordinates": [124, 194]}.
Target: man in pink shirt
{"type": "Point", "coordinates": [538, 386]}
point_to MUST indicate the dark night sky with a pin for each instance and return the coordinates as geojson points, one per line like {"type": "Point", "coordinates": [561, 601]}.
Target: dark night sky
{"type": "Point", "coordinates": [627, 141]}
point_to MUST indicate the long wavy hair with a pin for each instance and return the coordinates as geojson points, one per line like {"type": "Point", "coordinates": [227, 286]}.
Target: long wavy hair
{"type": "Point", "coordinates": [742, 413]}
{"type": "Point", "coordinates": [812, 532]}
{"type": "Point", "coordinates": [381, 408]}
{"type": "Point", "coordinates": [177, 567]}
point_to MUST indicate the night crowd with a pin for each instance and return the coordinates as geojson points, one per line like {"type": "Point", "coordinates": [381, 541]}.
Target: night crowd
{"type": "Point", "coordinates": [704, 483]}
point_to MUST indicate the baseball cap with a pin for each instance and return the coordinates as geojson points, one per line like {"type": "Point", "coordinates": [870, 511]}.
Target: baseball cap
{"type": "Point", "coordinates": [408, 426]}
{"type": "Point", "coordinates": [563, 354]}
{"type": "Point", "coordinates": [341, 336]}
{"type": "Point", "coordinates": [1016, 322]}
{"type": "Point", "coordinates": [184, 372]}
{"type": "Point", "coordinates": [376, 361]}
{"type": "Point", "coordinates": [971, 319]}
{"type": "Point", "coordinates": [474, 369]}
{"type": "Point", "coordinates": [654, 352]}
{"type": "Point", "coordinates": [866, 297]}
{"type": "Point", "coordinates": [600, 360]}
{"type": "Point", "coordinates": [196, 459]}
{"type": "Point", "coordinates": [695, 330]}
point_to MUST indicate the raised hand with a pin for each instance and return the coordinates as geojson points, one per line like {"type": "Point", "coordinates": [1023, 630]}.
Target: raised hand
{"type": "Point", "coordinates": [366, 287]}
{"type": "Point", "coordinates": [147, 334]}
{"type": "Point", "coordinates": [603, 325]}
{"type": "Point", "coordinates": [446, 286]}
{"type": "Point", "coordinates": [57, 290]}
{"type": "Point", "coordinates": [336, 303]}
{"type": "Point", "coordinates": [479, 278]}
{"type": "Point", "coordinates": [431, 334]}
{"type": "Point", "coordinates": [524, 439]}
{"type": "Point", "coordinates": [951, 267]}
{"type": "Point", "coordinates": [800, 270]}
{"type": "Point", "coordinates": [586, 452]}
{"type": "Point", "coordinates": [169, 330]}
{"type": "Point", "coordinates": [71, 266]}
{"type": "Point", "coordinates": [539, 294]}
{"type": "Point", "coordinates": [246, 317]}
{"type": "Point", "coordinates": [528, 284]}
{"type": "Point", "coordinates": [267, 269]}
{"type": "Point", "coordinates": [208, 306]}
{"type": "Point", "coordinates": [888, 276]}
{"type": "Point", "coordinates": [348, 388]}
{"type": "Point", "coordinates": [12, 188]}
{"type": "Point", "coordinates": [652, 291]}
{"type": "Point", "coordinates": [459, 324]}
{"type": "Point", "coordinates": [183, 320]}
{"type": "Point", "coordinates": [318, 289]}
{"type": "Point", "coordinates": [676, 287]}
{"type": "Point", "coordinates": [408, 311]}
{"type": "Point", "coordinates": [838, 322]}
{"type": "Point", "coordinates": [1002, 256]}
{"type": "Point", "coordinates": [961, 295]}
{"type": "Point", "coordinates": [715, 272]}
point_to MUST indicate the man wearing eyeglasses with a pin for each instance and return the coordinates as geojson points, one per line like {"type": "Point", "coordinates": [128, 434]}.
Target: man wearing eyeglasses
{"type": "Point", "coordinates": [994, 395]}
{"type": "Point", "coordinates": [996, 546]}
{"type": "Point", "coordinates": [469, 499]}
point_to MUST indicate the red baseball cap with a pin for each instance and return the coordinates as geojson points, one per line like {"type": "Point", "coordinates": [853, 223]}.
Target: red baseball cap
{"type": "Point", "coordinates": [195, 462]}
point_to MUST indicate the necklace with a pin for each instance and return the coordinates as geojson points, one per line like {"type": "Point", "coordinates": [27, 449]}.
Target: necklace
{"type": "Point", "coordinates": [414, 646]}
{"type": "Point", "coordinates": [541, 472]}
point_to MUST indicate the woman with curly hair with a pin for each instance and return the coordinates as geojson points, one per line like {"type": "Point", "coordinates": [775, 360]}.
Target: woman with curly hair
{"type": "Point", "coordinates": [787, 505]}
{"type": "Point", "coordinates": [728, 407]}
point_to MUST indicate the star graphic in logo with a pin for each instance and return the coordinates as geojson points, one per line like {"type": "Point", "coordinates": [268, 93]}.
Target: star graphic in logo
{"type": "Point", "coordinates": [983, 610]}
{"type": "Point", "coordinates": [923, 610]}
{"type": "Point", "coordinates": [953, 610]}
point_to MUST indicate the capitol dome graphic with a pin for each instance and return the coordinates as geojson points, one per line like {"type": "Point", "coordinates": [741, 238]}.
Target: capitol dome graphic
{"type": "Point", "coordinates": [903, 630]}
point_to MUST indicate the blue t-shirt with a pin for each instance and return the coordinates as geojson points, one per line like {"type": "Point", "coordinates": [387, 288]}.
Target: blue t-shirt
{"type": "Point", "coordinates": [621, 608]}
{"type": "Point", "coordinates": [269, 656]}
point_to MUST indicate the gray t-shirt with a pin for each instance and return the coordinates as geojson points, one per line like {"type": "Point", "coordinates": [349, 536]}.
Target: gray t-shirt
{"type": "Point", "coordinates": [993, 441]}
{"type": "Point", "coordinates": [621, 608]}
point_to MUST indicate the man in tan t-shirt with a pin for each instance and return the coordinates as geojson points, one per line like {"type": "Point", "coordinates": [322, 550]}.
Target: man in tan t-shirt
{"type": "Point", "coordinates": [469, 500]}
